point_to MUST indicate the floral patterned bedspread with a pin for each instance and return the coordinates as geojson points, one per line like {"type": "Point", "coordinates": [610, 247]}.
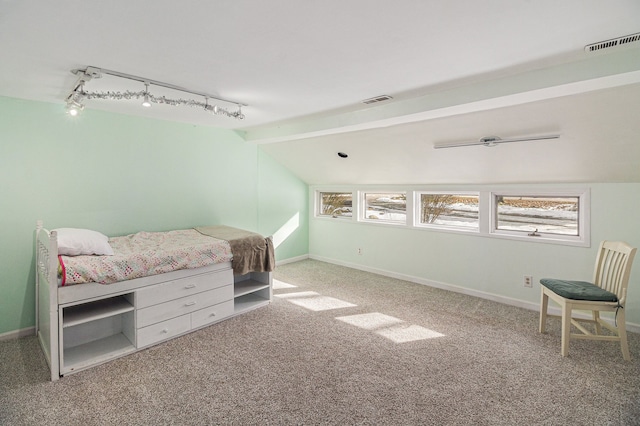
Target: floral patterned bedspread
{"type": "Point", "coordinates": [143, 254]}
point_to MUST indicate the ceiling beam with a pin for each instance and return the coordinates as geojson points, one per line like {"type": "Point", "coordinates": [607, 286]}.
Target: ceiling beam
{"type": "Point", "coordinates": [602, 71]}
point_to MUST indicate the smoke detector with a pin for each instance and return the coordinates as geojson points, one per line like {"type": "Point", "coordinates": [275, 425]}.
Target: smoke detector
{"type": "Point", "coordinates": [615, 42]}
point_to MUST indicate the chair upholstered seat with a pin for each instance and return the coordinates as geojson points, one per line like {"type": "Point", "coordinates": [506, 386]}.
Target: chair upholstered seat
{"type": "Point", "coordinates": [578, 290]}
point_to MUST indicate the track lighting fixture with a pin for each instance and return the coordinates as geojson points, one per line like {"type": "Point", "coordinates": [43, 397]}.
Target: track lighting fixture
{"type": "Point", "coordinates": [78, 94]}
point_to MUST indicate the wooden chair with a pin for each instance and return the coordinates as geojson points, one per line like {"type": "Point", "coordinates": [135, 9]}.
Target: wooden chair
{"type": "Point", "coordinates": [607, 292]}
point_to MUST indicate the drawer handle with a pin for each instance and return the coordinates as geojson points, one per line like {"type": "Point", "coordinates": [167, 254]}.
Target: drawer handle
{"type": "Point", "coordinates": [189, 303]}
{"type": "Point", "coordinates": [212, 314]}
{"type": "Point", "coordinates": [165, 330]}
{"type": "Point", "coordinates": [190, 286]}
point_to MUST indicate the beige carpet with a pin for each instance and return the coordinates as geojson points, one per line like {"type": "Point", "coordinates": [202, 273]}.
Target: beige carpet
{"type": "Point", "coordinates": [340, 346]}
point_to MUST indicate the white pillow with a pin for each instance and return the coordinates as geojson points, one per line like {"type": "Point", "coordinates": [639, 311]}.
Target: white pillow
{"type": "Point", "coordinates": [75, 242]}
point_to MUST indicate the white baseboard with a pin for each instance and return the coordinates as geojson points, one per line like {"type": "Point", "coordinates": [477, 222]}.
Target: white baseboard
{"type": "Point", "coordinates": [292, 259]}
{"type": "Point", "coordinates": [632, 327]}
{"type": "Point", "coordinates": [16, 334]}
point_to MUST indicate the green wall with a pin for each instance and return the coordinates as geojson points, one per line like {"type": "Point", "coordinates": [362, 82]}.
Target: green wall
{"type": "Point", "coordinates": [119, 175]}
{"type": "Point", "coordinates": [283, 208]}
{"type": "Point", "coordinates": [487, 266]}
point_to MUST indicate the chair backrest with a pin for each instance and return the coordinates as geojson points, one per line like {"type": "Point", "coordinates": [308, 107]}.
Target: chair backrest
{"type": "Point", "coordinates": [613, 267]}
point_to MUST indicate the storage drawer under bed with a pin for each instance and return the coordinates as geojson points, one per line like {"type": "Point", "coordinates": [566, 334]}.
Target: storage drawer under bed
{"type": "Point", "coordinates": [182, 306]}
{"type": "Point", "coordinates": [162, 331]}
{"type": "Point", "coordinates": [211, 314]}
{"type": "Point", "coordinates": [175, 289]}
{"type": "Point", "coordinates": [173, 327]}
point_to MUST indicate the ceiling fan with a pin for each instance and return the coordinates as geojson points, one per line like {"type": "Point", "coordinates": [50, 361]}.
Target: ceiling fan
{"type": "Point", "coordinates": [490, 141]}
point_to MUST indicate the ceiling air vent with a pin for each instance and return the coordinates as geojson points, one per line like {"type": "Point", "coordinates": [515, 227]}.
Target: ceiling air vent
{"type": "Point", "coordinates": [620, 41]}
{"type": "Point", "coordinates": [377, 99]}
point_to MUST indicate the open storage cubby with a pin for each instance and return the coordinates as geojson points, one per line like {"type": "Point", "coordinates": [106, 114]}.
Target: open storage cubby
{"type": "Point", "coordinates": [251, 291]}
{"type": "Point", "coordinates": [96, 331]}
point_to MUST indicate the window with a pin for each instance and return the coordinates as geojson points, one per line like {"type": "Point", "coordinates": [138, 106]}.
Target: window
{"type": "Point", "coordinates": [537, 214]}
{"type": "Point", "coordinates": [335, 204]}
{"type": "Point", "coordinates": [385, 207]}
{"type": "Point", "coordinates": [541, 214]}
{"type": "Point", "coordinates": [448, 210]}
{"type": "Point", "coordinates": [557, 216]}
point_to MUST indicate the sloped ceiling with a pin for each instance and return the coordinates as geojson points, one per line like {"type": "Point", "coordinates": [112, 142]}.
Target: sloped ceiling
{"type": "Point", "coordinates": [456, 70]}
{"type": "Point", "coordinates": [600, 142]}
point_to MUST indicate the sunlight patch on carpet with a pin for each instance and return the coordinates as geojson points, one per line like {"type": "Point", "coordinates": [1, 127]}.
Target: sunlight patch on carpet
{"type": "Point", "coordinates": [372, 321]}
{"type": "Point", "coordinates": [279, 285]}
{"type": "Point", "coordinates": [390, 327]}
{"type": "Point", "coordinates": [401, 334]}
{"type": "Point", "coordinates": [314, 301]}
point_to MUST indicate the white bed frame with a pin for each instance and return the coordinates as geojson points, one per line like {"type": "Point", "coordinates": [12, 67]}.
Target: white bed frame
{"type": "Point", "coordinates": [84, 325]}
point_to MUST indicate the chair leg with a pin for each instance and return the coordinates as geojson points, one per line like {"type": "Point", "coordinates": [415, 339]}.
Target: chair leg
{"type": "Point", "coordinates": [566, 329]}
{"type": "Point", "coordinates": [544, 303]}
{"type": "Point", "coordinates": [596, 318]}
{"type": "Point", "coordinates": [622, 332]}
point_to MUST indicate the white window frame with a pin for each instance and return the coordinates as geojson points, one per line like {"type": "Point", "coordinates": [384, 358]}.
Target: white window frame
{"type": "Point", "coordinates": [362, 207]}
{"type": "Point", "coordinates": [417, 202]}
{"type": "Point", "coordinates": [583, 239]}
{"type": "Point", "coordinates": [318, 204]}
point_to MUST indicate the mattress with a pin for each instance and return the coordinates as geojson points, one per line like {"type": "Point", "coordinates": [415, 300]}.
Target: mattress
{"type": "Point", "coordinates": [144, 254]}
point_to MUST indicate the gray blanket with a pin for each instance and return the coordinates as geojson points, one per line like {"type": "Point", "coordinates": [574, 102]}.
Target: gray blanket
{"type": "Point", "coordinates": [251, 252]}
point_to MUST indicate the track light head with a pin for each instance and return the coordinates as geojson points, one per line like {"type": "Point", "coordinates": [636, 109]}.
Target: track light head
{"type": "Point", "coordinates": [146, 102]}
{"type": "Point", "coordinates": [74, 102]}
{"type": "Point", "coordinates": [75, 99]}
{"type": "Point", "coordinates": [74, 108]}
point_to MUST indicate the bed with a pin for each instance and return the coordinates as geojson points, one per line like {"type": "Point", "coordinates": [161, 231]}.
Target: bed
{"type": "Point", "coordinates": [100, 298]}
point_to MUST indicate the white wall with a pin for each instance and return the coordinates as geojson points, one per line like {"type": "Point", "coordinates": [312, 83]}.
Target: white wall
{"type": "Point", "coordinates": [489, 267]}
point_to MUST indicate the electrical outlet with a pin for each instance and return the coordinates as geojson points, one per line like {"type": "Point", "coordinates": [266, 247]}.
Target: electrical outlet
{"type": "Point", "coordinates": [359, 251]}
{"type": "Point", "coordinates": [528, 281]}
